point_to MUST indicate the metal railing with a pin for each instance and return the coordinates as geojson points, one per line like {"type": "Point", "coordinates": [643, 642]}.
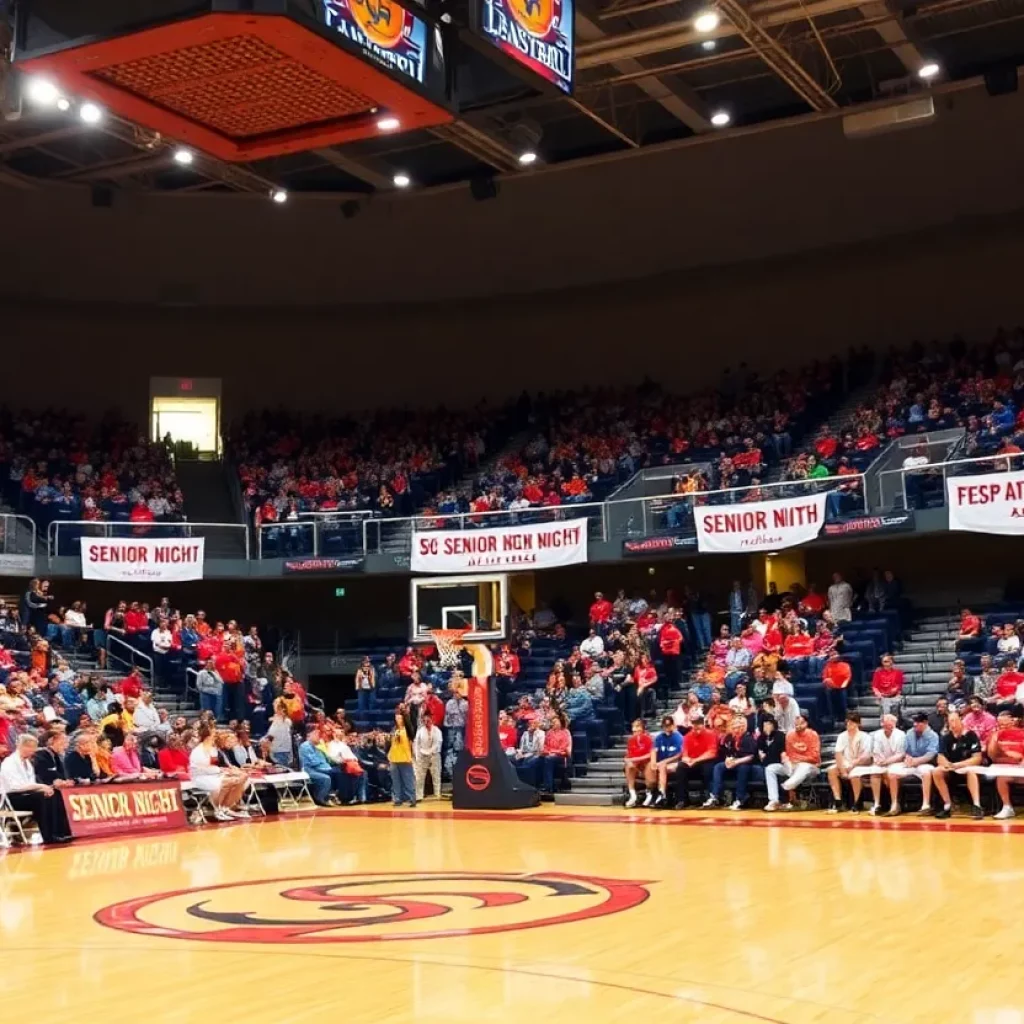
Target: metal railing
{"type": "Point", "coordinates": [134, 656]}
{"type": "Point", "coordinates": [313, 533]}
{"type": "Point", "coordinates": [63, 539]}
{"type": "Point", "coordinates": [17, 535]}
{"type": "Point", "coordinates": [932, 471]}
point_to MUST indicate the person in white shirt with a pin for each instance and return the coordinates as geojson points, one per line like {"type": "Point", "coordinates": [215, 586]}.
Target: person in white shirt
{"type": "Point", "coordinates": [840, 599]}
{"type": "Point", "coordinates": [786, 711]}
{"type": "Point", "coordinates": [225, 786]}
{"type": "Point", "coordinates": [146, 718]}
{"type": "Point", "coordinates": [25, 793]}
{"type": "Point", "coordinates": [341, 753]}
{"type": "Point", "coordinates": [854, 749]}
{"type": "Point", "coordinates": [162, 642]}
{"type": "Point", "coordinates": [593, 646]}
{"type": "Point", "coordinates": [426, 755]}
{"type": "Point", "coordinates": [1009, 642]}
{"type": "Point", "coordinates": [888, 747]}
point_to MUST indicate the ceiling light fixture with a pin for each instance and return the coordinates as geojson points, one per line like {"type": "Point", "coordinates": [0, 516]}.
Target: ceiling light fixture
{"type": "Point", "coordinates": [527, 158]}
{"type": "Point", "coordinates": [388, 124]}
{"type": "Point", "coordinates": [183, 156]}
{"type": "Point", "coordinates": [63, 104]}
{"type": "Point", "coordinates": [90, 113]}
{"type": "Point", "coordinates": [279, 195]}
{"type": "Point", "coordinates": [402, 180]}
{"type": "Point", "coordinates": [720, 118]}
{"type": "Point", "coordinates": [42, 91]}
{"type": "Point", "coordinates": [929, 70]}
{"type": "Point", "coordinates": [706, 21]}
{"type": "Point", "coordinates": [708, 44]}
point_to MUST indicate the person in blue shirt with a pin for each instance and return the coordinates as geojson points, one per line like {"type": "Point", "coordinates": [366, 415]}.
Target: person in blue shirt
{"type": "Point", "coordinates": [579, 705]}
{"type": "Point", "coordinates": [668, 749]}
{"type": "Point", "coordinates": [325, 778]}
{"type": "Point", "coordinates": [921, 751]}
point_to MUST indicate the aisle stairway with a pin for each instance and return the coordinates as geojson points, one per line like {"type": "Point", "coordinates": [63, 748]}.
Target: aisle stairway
{"type": "Point", "coordinates": [208, 499]}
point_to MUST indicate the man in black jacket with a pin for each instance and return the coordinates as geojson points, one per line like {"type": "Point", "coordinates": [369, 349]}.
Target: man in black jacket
{"type": "Point", "coordinates": [49, 761]}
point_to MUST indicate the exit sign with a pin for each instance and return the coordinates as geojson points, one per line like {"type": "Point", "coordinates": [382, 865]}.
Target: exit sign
{"type": "Point", "coordinates": [339, 591]}
{"type": "Point", "coordinates": [185, 384]}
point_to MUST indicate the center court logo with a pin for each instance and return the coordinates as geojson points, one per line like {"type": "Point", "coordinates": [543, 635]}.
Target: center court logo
{"type": "Point", "coordinates": [375, 907]}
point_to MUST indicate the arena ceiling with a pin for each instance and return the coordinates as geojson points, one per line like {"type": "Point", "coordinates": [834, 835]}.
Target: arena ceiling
{"type": "Point", "coordinates": [645, 76]}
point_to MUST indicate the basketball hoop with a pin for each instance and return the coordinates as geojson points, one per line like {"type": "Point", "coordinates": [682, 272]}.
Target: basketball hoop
{"type": "Point", "coordinates": [448, 643]}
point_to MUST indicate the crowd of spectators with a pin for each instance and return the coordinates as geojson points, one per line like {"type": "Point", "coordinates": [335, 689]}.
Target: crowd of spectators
{"type": "Point", "coordinates": [59, 466]}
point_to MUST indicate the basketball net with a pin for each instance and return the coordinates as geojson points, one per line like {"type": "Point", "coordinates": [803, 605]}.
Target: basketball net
{"type": "Point", "coordinates": [448, 643]}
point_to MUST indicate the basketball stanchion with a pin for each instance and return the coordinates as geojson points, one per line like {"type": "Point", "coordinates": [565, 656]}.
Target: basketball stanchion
{"type": "Point", "coordinates": [484, 778]}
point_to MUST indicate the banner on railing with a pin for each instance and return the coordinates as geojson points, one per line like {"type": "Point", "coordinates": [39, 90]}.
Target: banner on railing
{"type": "Point", "coordinates": [887, 523]}
{"type": "Point", "coordinates": [116, 809]}
{"type": "Point", "coordinates": [537, 546]}
{"type": "Point", "coordinates": [17, 565]}
{"type": "Point", "coordinates": [987, 503]}
{"type": "Point", "coordinates": [134, 560]}
{"type": "Point", "coordinates": [759, 525]}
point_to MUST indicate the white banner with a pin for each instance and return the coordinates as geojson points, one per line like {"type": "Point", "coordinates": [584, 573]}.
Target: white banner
{"type": "Point", "coordinates": [538, 546]}
{"type": "Point", "coordinates": [760, 525]}
{"type": "Point", "coordinates": [988, 503]}
{"type": "Point", "coordinates": [132, 560]}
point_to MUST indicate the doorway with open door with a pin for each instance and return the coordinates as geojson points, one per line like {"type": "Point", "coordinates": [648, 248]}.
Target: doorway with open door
{"type": "Point", "coordinates": [186, 411]}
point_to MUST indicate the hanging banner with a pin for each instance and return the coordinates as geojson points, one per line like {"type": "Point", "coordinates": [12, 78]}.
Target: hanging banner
{"type": "Point", "coordinates": [759, 525]}
{"type": "Point", "coordinates": [988, 503]}
{"type": "Point", "coordinates": [538, 546]}
{"type": "Point", "coordinates": [143, 561]}
{"type": "Point", "coordinates": [115, 809]}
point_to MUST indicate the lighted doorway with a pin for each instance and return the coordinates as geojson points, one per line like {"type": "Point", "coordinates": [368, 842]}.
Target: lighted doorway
{"type": "Point", "coordinates": [192, 420]}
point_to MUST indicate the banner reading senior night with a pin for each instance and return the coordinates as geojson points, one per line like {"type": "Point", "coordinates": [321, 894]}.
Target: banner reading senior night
{"type": "Point", "coordinates": [136, 560]}
{"type": "Point", "coordinates": [537, 546]}
{"type": "Point", "coordinates": [759, 525]}
{"type": "Point", "coordinates": [987, 503]}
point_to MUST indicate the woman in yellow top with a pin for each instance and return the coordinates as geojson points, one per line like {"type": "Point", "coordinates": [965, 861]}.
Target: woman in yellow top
{"type": "Point", "coordinates": [403, 781]}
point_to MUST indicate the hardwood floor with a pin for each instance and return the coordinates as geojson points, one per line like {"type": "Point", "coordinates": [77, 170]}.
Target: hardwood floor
{"type": "Point", "coordinates": [588, 918]}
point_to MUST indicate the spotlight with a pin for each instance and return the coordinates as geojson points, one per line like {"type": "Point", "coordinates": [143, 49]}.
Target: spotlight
{"type": "Point", "coordinates": [929, 70]}
{"type": "Point", "coordinates": [90, 113]}
{"type": "Point", "coordinates": [706, 21]}
{"type": "Point", "coordinates": [708, 44]}
{"type": "Point", "coordinates": [402, 180]}
{"type": "Point", "coordinates": [720, 118]}
{"type": "Point", "coordinates": [279, 195]}
{"type": "Point", "coordinates": [183, 156]}
{"type": "Point", "coordinates": [42, 91]}
{"type": "Point", "coordinates": [63, 105]}
{"type": "Point", "coordinates": [388, 124]}
{"type": "Point", "coordinates": [527, 158]}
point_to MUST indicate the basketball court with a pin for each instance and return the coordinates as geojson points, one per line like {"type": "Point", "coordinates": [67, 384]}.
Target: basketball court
{"type": "Point", "coordinates": [432, 915]}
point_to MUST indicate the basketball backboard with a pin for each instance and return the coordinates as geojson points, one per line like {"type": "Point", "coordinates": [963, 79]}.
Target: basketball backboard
{"type": "Point", "coordinates": [478, 603]}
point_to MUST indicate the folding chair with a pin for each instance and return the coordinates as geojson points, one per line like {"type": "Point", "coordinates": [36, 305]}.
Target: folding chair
{"type": "Point", "coordinates": [284, 782]}
{"type": "Point", "coordinates": [196, 801]}
{"type": "Point", "coordinates": [11, 822]}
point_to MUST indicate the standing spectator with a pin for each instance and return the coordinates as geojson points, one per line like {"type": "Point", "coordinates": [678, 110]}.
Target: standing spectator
{"type": "Point", "coordinates": [888, 747]}
{"type": "Point", "coordinates": [670, 642]}
{"type": "Point", "coordinates": [736, 607]}
{"type": "Point", "coordinates": [366, 682]}
{"type": "Point", "coordinates": [230, 668]}
{"type": "Point", "coordinates": [887, 686]}
{"type": "Point", "coordinates": [162, 640]}
{"type": "Point", "coordinates": [853, 750]}
{"type": "Point", "coordinates": [1006, 752]}
{"type": "Point", "coordinates": [211, 690]}
{"type": "Point", "coordinates": [840, 599]}
{"type": "Point", "coordinates": [600, 611]}
{"type": "Point", "coordinates": [799, 764]}
{"type": "Point", "coordinates": [920, 750]}
{"type": "Point", "coordinates": [960, 749]}
{"type": "Point", "coordinates": [668, 749]}
{"type": "Point", "coordinates": [700, 751]}
{"type": "Point", "coordinates": [279, 733]}
{"type": "Point", "coordinates": [403, 779]}
{"type": "Point", "coordinates": [415, 695]}
{"type": "Point", "coordinates": [737, 753]}
{"type": "Point", "coordinates": [836, 677]}
{"type": "Point", "coordinates": [427, 755]}
{"type": "Point", "coordinates": [638, 759]}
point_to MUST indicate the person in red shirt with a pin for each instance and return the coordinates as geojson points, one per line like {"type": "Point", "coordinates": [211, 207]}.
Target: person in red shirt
{"type": "Point", "coordinates": [812, 603]}
{"type": "Point", "coordinates": [670, 642]}
{"type": "Point", "coordinates": [798, 645]}
{"type": "Point", "coordinates": [970, 628]}
{"type": "Point", "coordinates": [646, 677]}
{"type": "Point", "coordinates": [135, 619]}
{"type": "Point", "coordinates": [1007, 683]}
{"type": "Point", "coordinates": [700, 752]}
{"type": "Point", "coordinates": [507, 734]}
{"type": "Point", "coordinates": [228, 665]}
{"type": "Point", "coordinates": [173, 759]}
{"type": "Point", "coordinates": [432, 704]}
{"type": "Point", "coordinates": [887, 686]}
{"type": "Point", "coordinates": [638, 759]}
{"type": "Point", "coordinates": [557, 751]}
{"type": "Point", "coordinates": [836, 676]}
{"type": "Point", "coordinates": [600, 611]}
{"type": "Point", "coordinates": [1006, 751]}
{"type": "Point", "coordinates": [131, 685]}
{"type": "Point", "coordinates": [408, 663]}
{"type": "Point", "coordinates": [506, 666]}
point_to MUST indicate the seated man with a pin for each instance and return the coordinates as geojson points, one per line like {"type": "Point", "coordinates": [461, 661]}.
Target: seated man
{"type": "Point", "coordinates": [800, 763]}
{"type": "Point", "coordinates": [700, 751]}
{"type": "Point", "coordinates": [737, 753]}
{"type": "Point", "coordinates": [325, 780]}
{"type": "Point", "coordinates": [888, 747]}
{"type": "Point", "coordinates": [959, 750]}
{"type": "Point", "coordinates": [26, 793]}
{"type": "Point", "coordinates": [921, 747]}
{"type": "Point", "coordinates": [1006, 752]}
{"type": "Point", "coordinates": [979, 720]}
{"type": "Point", "coordinates": [853, 750]}
{"type": "Point", "coordinates": [638, 759]}
{"type": "Point", "coordinates": [668, 749]}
